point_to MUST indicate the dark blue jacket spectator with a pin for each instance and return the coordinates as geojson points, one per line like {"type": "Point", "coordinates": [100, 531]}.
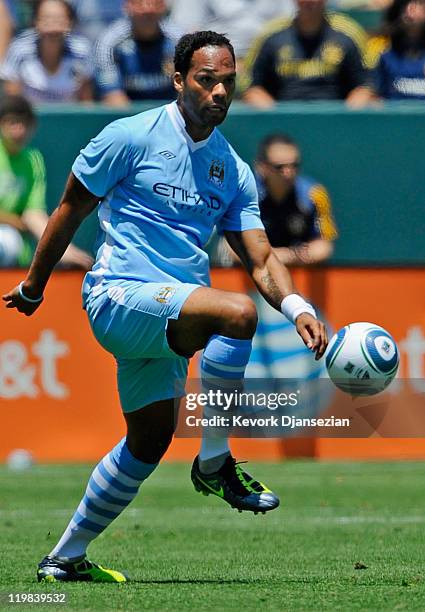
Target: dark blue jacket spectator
{"type": "Point", "coordinates": [134, 58]}
{"type": "Point", "coordinates": [400, 73]}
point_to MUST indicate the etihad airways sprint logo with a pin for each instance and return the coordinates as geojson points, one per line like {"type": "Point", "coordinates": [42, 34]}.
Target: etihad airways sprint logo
{"type": "Point", "coordinates": [185, 200]}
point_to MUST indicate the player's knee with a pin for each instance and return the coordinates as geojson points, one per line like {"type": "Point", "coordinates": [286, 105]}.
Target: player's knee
{"type": "Point", "coordinates": [241, 320]}
{"type": "Point", "coordinates": [158, 449]}
{"type": "Point", "coordinates": [150, 447]}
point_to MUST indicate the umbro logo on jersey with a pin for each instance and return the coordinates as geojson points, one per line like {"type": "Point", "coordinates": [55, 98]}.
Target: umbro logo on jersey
{"type": "Point", "coordinates": [167, 154]}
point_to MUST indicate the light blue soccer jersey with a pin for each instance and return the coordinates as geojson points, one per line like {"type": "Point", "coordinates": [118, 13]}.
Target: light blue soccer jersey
{"type": "Point", "coordinates": [162, 194]}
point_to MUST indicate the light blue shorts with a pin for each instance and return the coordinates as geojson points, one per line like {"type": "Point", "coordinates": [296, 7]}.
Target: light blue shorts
{"type": "Point", "coordinates": [130, 320]}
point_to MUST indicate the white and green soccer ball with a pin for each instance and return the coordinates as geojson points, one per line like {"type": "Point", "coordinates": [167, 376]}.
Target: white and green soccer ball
{"type": "Point", "coordinates": [362, 359]}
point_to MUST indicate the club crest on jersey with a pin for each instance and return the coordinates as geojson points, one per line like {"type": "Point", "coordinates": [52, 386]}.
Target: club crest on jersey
{"type": "Point", "coordinates": [216, 172]}
{"type": "Point", "coordinates": [164, 294]}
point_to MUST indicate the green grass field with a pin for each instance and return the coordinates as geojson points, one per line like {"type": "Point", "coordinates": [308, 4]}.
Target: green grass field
{"type": "Point", "coordinates": [189, 552]}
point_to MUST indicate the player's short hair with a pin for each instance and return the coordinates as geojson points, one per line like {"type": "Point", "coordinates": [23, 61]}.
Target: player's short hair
{"type": "Point", "coordinates": [271, 139]}
{"type": "Point", "coordinates": [189, 43]}
{"type": "Point", "coordinates": [19, 107]}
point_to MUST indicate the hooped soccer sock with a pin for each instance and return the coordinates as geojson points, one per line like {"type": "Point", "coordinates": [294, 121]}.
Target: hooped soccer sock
{"type": "Point", "coordinates": [114, 483]}
{"type": "Point", "coordinates": [222, 367]}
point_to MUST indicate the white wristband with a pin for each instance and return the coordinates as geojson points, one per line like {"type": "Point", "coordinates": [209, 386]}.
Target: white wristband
{"type": "Point", "coordinates": [293, 305]}
{"type": "Point", "coordinates": [27, 299]}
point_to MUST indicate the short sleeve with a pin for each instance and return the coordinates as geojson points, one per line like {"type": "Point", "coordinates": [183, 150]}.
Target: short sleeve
{"type": "Point", "coordinates": [381, 79]}
{"type": "Point", "coordinates": [105, 161]}
{"type": "Point", "coordinates": [262, 70]}
{"type": "Point", "coordinates": [259, 69]}
{"type": "Point", "coordinates": [243, 212]}
{"type": "Point", "coordinates": [353, 72]}
{"type": "Point", "coordinates": [82, 52]}
{"type": "Point", "coordinates": [10, 68]}
{"type": "Point", "coordinates": [107, 73]}
{"type": "Point", "coordinates": [37, 196]}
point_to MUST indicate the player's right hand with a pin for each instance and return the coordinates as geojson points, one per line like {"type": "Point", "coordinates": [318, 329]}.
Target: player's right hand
{"type": "Point", "coordinates": [13, 299]}
{"type": "Point", "coordinates": [313, 332]}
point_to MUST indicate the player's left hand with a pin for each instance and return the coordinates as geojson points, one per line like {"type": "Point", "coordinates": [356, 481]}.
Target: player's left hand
{"type": "Point", "coordinates": [13, 299]}
{"type": "Point", "coordinates": [313, 333]}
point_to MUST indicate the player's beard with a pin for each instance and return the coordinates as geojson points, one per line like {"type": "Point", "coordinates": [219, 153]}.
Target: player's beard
{"type": "Point", "coordinates": [213, 118]}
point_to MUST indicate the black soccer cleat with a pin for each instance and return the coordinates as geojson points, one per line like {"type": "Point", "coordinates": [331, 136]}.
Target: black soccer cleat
{"type": "Point", "coordinates": [235, 486]}
{"type": "Point", "coordinates": [52, 570]}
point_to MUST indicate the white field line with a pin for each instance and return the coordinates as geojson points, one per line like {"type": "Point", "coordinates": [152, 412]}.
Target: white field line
{"type": "Point", "coordinates": [285, 521]}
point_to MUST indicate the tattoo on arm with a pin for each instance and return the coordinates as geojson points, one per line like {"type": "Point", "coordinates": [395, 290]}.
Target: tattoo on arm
{"type": "Point", "coordinates": [302, 253]}
{"type": "Point", "coordinates": [272, 289]}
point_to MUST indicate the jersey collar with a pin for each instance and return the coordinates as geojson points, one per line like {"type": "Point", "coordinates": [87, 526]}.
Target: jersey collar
{"type": "Point", "coordinates": [179, 124]}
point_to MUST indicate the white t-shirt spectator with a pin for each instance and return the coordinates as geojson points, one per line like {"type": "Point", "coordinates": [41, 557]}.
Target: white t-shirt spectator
{"type": "Point", "coordinates": [22, 64]}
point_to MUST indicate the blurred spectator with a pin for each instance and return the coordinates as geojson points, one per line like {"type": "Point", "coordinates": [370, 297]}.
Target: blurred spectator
{"type": "Point", "coordinates": [23, 188]}
{"type": "Point", "coordinates": [6, 27]}
{"type": "Point", "coordinates": [48, 63]}
{"type": "Point", "coordinates": [241, 20]}
{"type": "Point", "coordinates": [316, 56]}
{"type": "Point", "coordinates": [296, 210]}
{"type": "Point", "coordinates": [400, 69]}
{"type": "Point", "coordinates": [93, 16]}
{"type": "Point", "coordinates": [134, 58]}
{"type": "Point", "coordinates": [297, 216]}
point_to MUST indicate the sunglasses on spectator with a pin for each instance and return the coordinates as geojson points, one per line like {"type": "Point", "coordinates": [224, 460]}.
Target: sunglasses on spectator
{"type": "Point", "coordinates": [280, 167]}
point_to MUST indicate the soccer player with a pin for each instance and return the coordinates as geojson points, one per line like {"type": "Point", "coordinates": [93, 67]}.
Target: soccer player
{"type": "Point", "coordinates": [164, 178]}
